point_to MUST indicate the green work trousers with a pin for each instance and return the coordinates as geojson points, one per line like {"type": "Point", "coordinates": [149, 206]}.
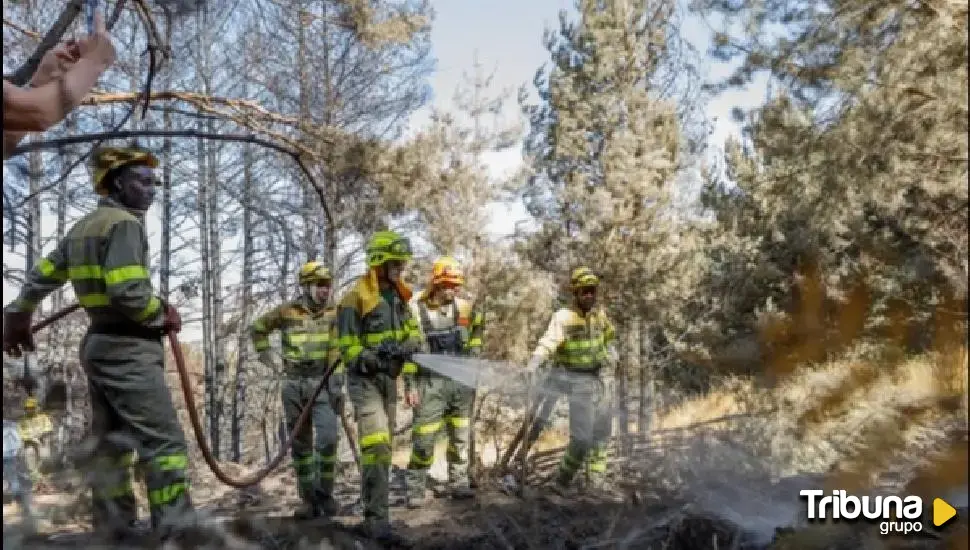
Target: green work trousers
{"type": "Point", "coordinates": [444, 403]}
{"type": "Point", "coordinates": [314, 449]}
{"type": "Point", "coordinates": [375, 405]}
{"type": "Point", "coordinates": [132, 414]}
{"type": "Point", "coordinates": [590, 423]}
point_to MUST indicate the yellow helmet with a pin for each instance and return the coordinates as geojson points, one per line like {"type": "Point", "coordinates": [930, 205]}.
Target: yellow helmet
{"type": "Point", "coordinates": [583, 277]}
{"type": "Point", "coordinates": [314, 272]}
{"type": "Point", "coordinates": [386, 246]}
{"type": "Point", "coordinates": [446, 270]}
{"type": "Point", "coordinates": [106, 159]}
{"type": "Point", "coordinates": [30, 404]}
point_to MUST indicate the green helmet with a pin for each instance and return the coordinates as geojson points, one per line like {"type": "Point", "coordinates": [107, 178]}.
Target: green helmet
{"type": "Point", "coordinates": [385, 246]}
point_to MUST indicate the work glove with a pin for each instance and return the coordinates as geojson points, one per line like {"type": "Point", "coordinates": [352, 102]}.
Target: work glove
{"type": "Point", "coordinates": [368, 363]}
{"type": "Point", "coordinates": [172, 321]}
{"type": "Point", "coordinates": [17, 337]}
{"type": "Point", "coordinates": [335, 385]}
{"type": "Point", "coordinates": [335, 388]}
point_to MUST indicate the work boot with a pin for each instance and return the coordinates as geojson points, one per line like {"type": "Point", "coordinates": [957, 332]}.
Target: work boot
{"type": "Point", "coordinates": [416, 488]}
{"type": "Point", "coordinates": [307, 510]}
{"type": "Point", "coordinates": [379, 530]}
{"type": "Point", "coordinates": [328, 506]}
{"type": "Point", "coordinates": [461, 490]}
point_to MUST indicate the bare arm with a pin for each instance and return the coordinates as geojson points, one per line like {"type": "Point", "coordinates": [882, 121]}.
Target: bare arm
{"type": "Point", "coordinates": [37, 109]}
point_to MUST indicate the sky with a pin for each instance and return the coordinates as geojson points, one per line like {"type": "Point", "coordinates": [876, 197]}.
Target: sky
{"type": "Point", "coordinates": [506, 37]}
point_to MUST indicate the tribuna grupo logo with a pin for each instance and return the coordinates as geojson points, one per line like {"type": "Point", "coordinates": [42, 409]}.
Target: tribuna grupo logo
{"type": "Point", "coordinates": [898, 515]}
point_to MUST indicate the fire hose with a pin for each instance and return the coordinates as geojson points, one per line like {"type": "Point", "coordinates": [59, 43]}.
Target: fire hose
{"type": "Point", "coordinates": [187, 392]}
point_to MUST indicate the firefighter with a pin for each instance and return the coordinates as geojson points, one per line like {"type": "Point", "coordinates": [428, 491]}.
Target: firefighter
{"type": "Point", "coordinates": [105, 257]}
{"type": "Point", "coordinates": [308, 334]}
{"type": "Point", "coordinates": [580, 343]}
{"type": "Point", "coordinates": [16, 476]}
{"type": "Point", "coordinates": [449, 324]}
{"type": "Point", "coordinates": [377, 334]}
{"type": "Point", "coordinates": [35, 428]}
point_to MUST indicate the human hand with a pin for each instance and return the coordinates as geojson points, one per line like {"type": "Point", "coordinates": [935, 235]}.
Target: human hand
{"type": "Point", "coordinates": [97, 47]}
{"type": "Point", "coordinates": [17, 337]}
{"type": "Point", "coordinates": [57, 61]}
{"type": "Point", "coordinates": [412, 398]}
{"type": "Point", "coordinates": [173, 321]}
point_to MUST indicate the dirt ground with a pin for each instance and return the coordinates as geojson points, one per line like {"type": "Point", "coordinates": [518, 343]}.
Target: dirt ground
{"type": "Point", "coordinates": [532, 519]}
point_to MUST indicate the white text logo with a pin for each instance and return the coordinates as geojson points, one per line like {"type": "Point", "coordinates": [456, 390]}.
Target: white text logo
{"type": "Point", "coordinates": [895, 514]}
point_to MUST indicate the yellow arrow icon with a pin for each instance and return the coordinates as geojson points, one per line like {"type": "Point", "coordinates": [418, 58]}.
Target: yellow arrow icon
{"type": "Point", "coordinates": [942, 512]}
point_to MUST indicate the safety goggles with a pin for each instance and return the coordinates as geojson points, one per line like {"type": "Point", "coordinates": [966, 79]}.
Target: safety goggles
{"type": "Point", "coordinates": [400, 247]}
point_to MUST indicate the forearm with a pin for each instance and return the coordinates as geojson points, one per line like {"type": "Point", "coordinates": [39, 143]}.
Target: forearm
{"type": "Point", "coordinates": [37, 109]}
{"type": "Point", "coordinates": [46, 276]}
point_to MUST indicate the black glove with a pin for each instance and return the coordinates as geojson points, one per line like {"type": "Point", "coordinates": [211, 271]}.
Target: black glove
{"type": "Point", "coordinates": [335, 389]}
{"type": "Point", "coordinates": [367, 363]}
{"type": "Point", "coordinates": [17, 337]}
{"type": "Point", "coordinates": [394, 355]}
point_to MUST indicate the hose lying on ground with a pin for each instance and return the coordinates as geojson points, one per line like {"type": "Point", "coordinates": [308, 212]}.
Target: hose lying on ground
{"type": "Point", "coordinates": [186, 384]}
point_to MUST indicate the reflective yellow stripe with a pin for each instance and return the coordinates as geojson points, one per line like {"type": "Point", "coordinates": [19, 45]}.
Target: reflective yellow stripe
{"type": "Point", "coordinates": [349, 340]}
{"type": "Point", "coordinates": [118, 491]}
{"type": "Point", "coordinates": [304, 337]}
{"type": "Point", "coordinates": [429, 428]}
{"type": "Point", "coordinates": [167, 494]}
{"type": "Point", "coordinates": [458, 421]}
{"type": "Point", "coordinates": [409, 368]}
{"type": "Point", "coordinates": [474, 342]}
{"type": "Point", "coordinates": [84, 272]}
{"type": "Point", "coordinates": [94, 300]}
{"type": "Point", "coordinates": [352, 352]}
{"type": "Point", "coordinates": [47, 268]}
{"type": "Point", "coordinates": [421, 462]}
{"type": "Point", "coordinates": [304, 461]}
{"type": "Point", "coordinates": [376, 438]}
{"type": "Point", "coordinates": [125, 274]}
{"type": "Point", "coordinates": [571, 345]}
{"type": "Point", "coordinates": [154, 304]}
{"type": "Point", "coordinates": [377, 338]}
{"type": "Point", "coordinates": [167, 463]}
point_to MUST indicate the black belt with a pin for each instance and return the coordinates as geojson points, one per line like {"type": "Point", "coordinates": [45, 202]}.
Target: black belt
{"type": "Point", "coordinates": [133, 330]}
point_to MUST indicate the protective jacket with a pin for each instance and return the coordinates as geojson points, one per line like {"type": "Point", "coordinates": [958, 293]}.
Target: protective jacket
{"type": "Point", "coordinates": [577, 341]}
{"type": "Point", "coordinates": [308, 336]}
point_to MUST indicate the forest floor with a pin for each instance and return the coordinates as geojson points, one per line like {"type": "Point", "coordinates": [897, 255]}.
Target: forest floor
{"type": "Point", "coordinates": [722, 471]}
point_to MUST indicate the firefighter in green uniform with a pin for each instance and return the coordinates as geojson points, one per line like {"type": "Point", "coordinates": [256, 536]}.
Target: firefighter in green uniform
{"type": "Point", "coordinates": [449, 324]}
{"type": "Point", "coordinates": [105, 257]}
{"type": "Point", "coordinates": [308, 333]}
{"type": "Point", "coordinates": [580, 342]}
{"type": "Point", "coordinates": [377, 334]}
